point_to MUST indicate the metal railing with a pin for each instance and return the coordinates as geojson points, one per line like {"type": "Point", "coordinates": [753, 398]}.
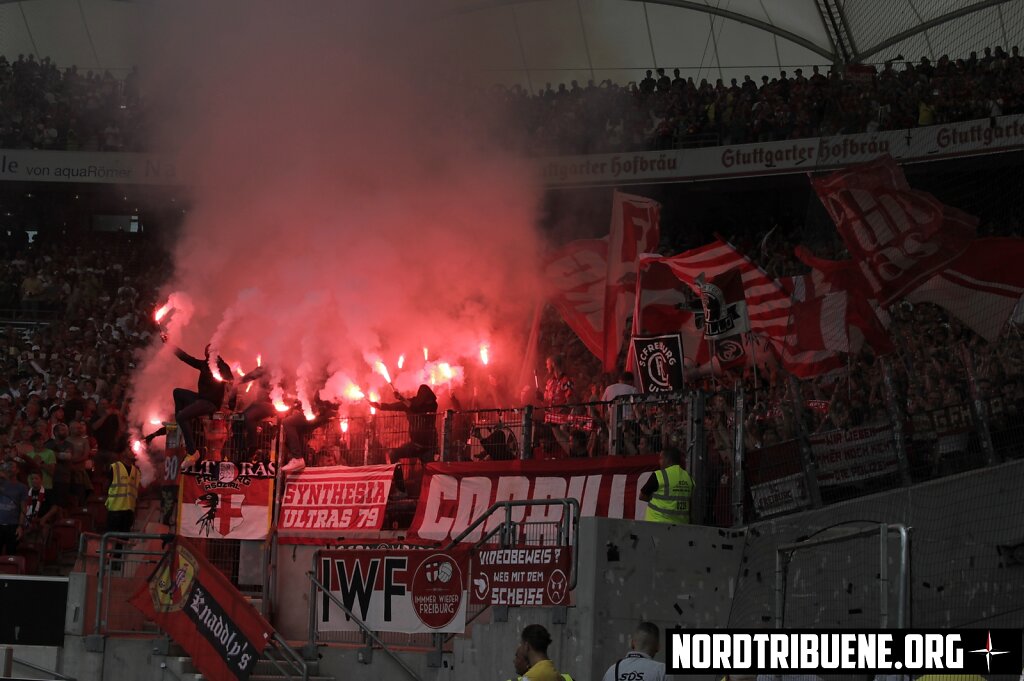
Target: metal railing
{"type": "Point", "coordinates": [507, 532]}
{"type": "Point", "coordinates": [291, 660]}
{"type": "Point", "coordinates": [366, 631]}
{"type": "Point", "coordinates": [42, 670]}
{"type": "Point", "coordinates": [126, 561]}
{"type": "Point", "coordinates": [784, 554]}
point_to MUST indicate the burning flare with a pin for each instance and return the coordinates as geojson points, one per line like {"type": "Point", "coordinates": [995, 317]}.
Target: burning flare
{"type": "Point", "coordinates": [162, 311]}
{"type": "Point", "coordinates": [381, 369]}
{"type": "Point", "coordinates": [426, 355]}
{"type": "Point", "coordinates": [353, 392]}
{"type": "Point", "coordinates": [484, 353]}
{"type": "Point", "coordinates": [401, 361]}
{"type": "Point", "coordinates": [137, 447]}
{"type": "Point", "coordinates": [374, 397]}
{"type": "Point", "coordinates": [280, 405]}
{"type": "Point", "coordinates": [343, 424]}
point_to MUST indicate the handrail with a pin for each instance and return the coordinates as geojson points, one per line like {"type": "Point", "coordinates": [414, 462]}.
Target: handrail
{"type": "Point", "coordinates": [571, 524]}
{"type": "Point", "coordinates": [287, 651]}
{"type": "Point", "coordinates": [44, 670]}
{"type": "Point", "coordinates": [359, 623]}
{"type": "Point", "coordinates": [103, 564]}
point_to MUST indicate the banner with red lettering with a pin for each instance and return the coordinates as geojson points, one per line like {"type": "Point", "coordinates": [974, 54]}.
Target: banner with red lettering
{"type": "Point", "coordinates": [453, 495]}
{"type": "Point", "coordinates": [224, 500]}
{"type": "Point", "coordinates": [524, 576]}
{"type": "Point", "coordinates": [410, 591]}
{"type": "Point", "coordinates": [196, 605]}
{"type": "Point", "coordinates": [318, 503]}
{"type": "Point", "coordinates": [898, 236]}
{"type": "Point", "coordinates": [844, 456]}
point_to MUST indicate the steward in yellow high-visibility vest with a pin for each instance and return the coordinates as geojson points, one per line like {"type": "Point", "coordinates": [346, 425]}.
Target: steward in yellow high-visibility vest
{"type": "Point", "coordinates": [123, 493]}
{"type": "Point", "coordinates": [668, 491]}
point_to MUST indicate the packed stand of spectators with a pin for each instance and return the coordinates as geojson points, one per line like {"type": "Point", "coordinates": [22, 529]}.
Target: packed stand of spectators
{"type": "Point", "coordinates": [63, 384]}
{"type": "Point", "coordinates": [666, 112]}
{"type": "Point", "coordinates": [46, 107]}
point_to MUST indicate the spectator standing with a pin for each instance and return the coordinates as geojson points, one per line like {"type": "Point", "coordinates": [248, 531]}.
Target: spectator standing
{"type": "Point", "coordinates": [45, 460]}
{"type": "Point", "coordinates": [421, 412]}
{"type": "Point", "coordinates": [12, 509]}
{"type": "Point", "coordinates": [639, 663]}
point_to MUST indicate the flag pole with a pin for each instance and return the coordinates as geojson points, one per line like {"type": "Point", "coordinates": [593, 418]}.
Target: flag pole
{"type": "Point", "coordinates": [753, 353]}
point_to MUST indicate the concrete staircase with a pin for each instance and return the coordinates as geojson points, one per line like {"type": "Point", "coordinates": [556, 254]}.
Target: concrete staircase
{"type": "Point", "coordinates": [181, 667]}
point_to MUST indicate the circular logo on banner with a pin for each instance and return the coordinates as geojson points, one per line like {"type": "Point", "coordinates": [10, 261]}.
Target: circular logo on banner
{"type": "Point", "coordinates": [728, 350]}
{"type": "Point", "coordinates": [173, 584]}
{"type": "Point", "coordinates": [659, 359]}
{"type": "Point", "coordinates": [437, 590]}
{"type": "Point", "coordinates": [227, 472]}
{"type": "Point", "coordinates": [557, 586]}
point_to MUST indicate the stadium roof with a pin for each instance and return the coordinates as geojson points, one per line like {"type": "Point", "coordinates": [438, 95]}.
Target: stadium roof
{"type": "Point", "coordinates": [562, 40]}
{"type": "Point", "coordinates": [532, 42]}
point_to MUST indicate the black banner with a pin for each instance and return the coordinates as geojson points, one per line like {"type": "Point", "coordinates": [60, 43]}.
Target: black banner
{"type": "Point", "coordinates": [659, 361]}
{"type": "Point", "coordinates": [230, 642]}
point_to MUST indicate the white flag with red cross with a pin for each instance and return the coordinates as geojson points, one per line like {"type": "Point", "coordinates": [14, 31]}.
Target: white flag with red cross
{"type": "Point", "coordinates": [223, 500]}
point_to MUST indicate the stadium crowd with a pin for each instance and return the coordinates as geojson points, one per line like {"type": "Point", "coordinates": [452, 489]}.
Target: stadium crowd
{"type": "Point", "coordinates": [46, 107]}
{"type": "Point", "coordinates": [80, 301]}
{"type": "Point", "coordinates": [666, 112]}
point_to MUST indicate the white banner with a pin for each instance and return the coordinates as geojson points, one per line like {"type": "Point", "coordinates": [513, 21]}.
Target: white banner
{"type": "Point", "coordinates": [844, 456]}
{"type": "Point", "coordinates": [780, 495]}
{"type": "Point", "coordinates": [411, 591]}
{"type": "Point", "coordinates": [790, 156]}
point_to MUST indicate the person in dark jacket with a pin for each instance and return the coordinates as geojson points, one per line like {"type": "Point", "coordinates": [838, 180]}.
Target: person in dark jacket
{"type": "Point", "coordinates": [421, 411]}
{"type": "Point", "coordinates": [207, 398]}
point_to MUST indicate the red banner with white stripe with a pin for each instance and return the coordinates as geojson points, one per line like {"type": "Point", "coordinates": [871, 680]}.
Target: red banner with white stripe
{"type": "Point", "coordinates": [198, 607]}
{"type": "Point", "coordinates": [224, 500]}
{"type": "Point", "coordinates": [453, 495]}
{"type": "Point", "coordinates": [319, 503]}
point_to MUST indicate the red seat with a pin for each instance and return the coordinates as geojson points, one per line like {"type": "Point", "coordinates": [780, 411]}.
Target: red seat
{"type": "Point", "coordinates": [12, 565]}
{"type": "Point", "coordinates": [32, 552]}
{"type": "Point", "coordinates": [65, 534]}
{"type": "Point", "coordinates": [85, 517]}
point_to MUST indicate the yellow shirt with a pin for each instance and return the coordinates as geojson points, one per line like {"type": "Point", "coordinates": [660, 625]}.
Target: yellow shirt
{"type": "Point", "coordinates": [542, 671]}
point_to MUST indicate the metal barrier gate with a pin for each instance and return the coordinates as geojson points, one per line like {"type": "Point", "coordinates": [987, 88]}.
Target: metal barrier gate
{"type": "Point", "coordinates": [830, 580]}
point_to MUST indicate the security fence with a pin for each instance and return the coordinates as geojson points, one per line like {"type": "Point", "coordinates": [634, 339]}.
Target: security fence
{"type": "Point", "coordinates": [752, 453]}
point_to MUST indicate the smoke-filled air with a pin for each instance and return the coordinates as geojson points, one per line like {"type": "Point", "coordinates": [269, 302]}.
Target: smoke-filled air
{"type": "Point", "coordinates": [346, 224]}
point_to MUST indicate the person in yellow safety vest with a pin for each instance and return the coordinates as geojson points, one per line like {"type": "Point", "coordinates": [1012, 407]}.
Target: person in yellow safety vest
{"type": "Point", "coordinates": [122, 496]}
{"type": "Point", "coordinates": [531, 659]}
{"type": "Point", "coordinates": [522, 663]}
{"type": "Point", "coordinates": [668, 490]}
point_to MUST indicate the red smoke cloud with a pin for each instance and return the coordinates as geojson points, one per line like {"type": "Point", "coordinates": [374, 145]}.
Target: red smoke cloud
{"type": "Point", "coordinates": [341, 207]}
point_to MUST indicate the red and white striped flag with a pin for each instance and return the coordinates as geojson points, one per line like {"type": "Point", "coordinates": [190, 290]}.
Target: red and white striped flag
{"type": "Point", "coordinates": [981, 288]}
{"type": "Point", "coordinates": [768, 304]}
{"type": "Point", "coordinates": [635, 229]}
{"type": "Point", "coordinates": [898, 236]}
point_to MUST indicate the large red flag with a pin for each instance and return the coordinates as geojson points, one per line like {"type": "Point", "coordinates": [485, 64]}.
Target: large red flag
{"type": "Point", "coordinates": [982, 287]}
{"type": "Point", "coordinates": [840, 321]}
{"type": "Point", "coordinates": [592, 282]}
{"type": "Point", "coordinates": [635, 229]}
{"type": "Point", "coordinates": [575, 278]}
{"type": "Point", "coordinates": [198, 607]}
{"type": "Point", "coordinates": [898, 236]}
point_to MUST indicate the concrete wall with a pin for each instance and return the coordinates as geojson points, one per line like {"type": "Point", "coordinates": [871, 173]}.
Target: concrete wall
{"type": "Point", "coordinates": [705, 577]}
